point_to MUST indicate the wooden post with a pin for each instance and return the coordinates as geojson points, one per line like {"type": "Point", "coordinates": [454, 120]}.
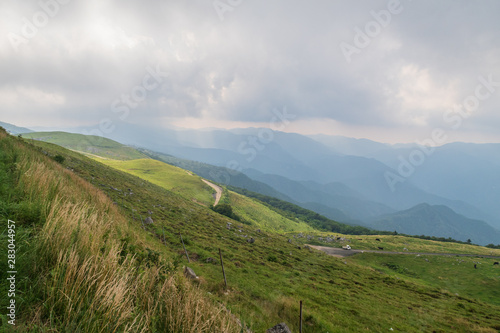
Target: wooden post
{"type": "Point", "coordinates": [222, 264]}
{"type": "Point", "coordinates": [163, 230]}
{"type": "Point", "coordinates": [184, 247]}
{"type": "Point", "coordinates": [300, 318]}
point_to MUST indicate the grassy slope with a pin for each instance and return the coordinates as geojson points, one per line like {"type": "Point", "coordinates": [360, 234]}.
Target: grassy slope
{"type": "Point", "coordinates": [88, 144]}
{"type": "Point", "coordinates": [263, 217]}
{"type": "Point", "coordinates": [170, 177]}
{"type": "Point", "coordinates": [191, 187]}
{"type": "Point", "coordinates": [269, 277]}
{"type": "Point", "coordinates": [80, 265]}
{"type": "Point", "coordinates": [453, 274]}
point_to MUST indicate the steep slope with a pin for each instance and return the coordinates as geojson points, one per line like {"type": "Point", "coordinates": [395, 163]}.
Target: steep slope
{"type": "Point", "coordinates": [172, 178]}
{"type": "Point", "coordinates": [193, 188]}
{"type": "Point", "coordinates": [77, 263]}
{"type": "Point", "coordinates": [438, 221]}
{"type": "Point", "coordinates": [218, 174]}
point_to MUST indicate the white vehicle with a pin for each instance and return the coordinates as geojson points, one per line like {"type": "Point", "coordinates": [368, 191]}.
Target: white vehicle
{"type": "Point", "coordinates": [347, 247]}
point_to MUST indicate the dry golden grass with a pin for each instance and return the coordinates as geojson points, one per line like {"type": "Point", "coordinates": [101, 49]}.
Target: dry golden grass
{"type": "Point", "coordinates": [87, 285]}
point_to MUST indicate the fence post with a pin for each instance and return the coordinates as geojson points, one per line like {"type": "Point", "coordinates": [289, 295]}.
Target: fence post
{"type": "Point", "coordinates": [184, 247]}
{"type": "Point", "coordinates": [222, 264]}
{"type": "Point", "coordinates": [163, 230]}
{"type": "Point", "coordinates": [300, 318]}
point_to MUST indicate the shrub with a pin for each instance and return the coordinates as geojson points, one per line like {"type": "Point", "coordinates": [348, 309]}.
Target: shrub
{"type": "Point", "coordinates": [59, 159]}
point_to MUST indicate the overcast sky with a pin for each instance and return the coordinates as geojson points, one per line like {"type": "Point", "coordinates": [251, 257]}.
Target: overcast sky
{"type": "Point", "coordinates": [385, 70]}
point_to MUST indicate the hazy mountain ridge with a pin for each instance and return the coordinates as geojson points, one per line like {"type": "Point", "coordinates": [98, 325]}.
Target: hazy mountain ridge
{"type": "Point", "coordinates": [440, 221]}
{"type": "Point", "coordinates": [13, 129]}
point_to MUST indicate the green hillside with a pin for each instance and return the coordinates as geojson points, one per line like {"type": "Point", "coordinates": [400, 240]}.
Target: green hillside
{"type": "Point", "coordinates": [221, 175]}
{"type": "Point", "coordinates": [88, 144]}
{"type": "Point", "coordinates": [167, 176]}
{"type": "Point", "coordinates": [191, 187]}
{"type": "Point", "coordinates": [263, 217]}
{"type": "Point", "coordinates": [81, 233]}
{"type": "Point", "coordinates": [456, 275]}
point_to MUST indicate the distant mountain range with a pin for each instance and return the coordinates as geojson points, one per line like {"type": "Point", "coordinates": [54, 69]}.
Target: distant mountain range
{"type": "Point", "coordinates": [439, 221]}
{"type": "Point", "coordinates": [342, 178]}
{"type": "Point", "coordinates": [12, 129]}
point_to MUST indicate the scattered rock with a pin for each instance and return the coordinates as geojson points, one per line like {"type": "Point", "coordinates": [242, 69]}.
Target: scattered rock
{"type": "Point", "coordinates": [148, 220]}
{"type": "Point", "coordinates": [189, 273]}
{"type": "Point", "coordinates": [289, 241]}
{"type": "Point", "coordinates": [280, 328]}
{"type": "Point", "coordinates": [251, 240]}
{"type": "Point", "coordinates": [210, 260]}
{"type": "Point", "coordinates": [258, 230]}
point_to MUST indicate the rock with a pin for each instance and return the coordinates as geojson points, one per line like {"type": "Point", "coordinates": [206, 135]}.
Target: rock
{"type": "Point", "coordinates": [189, 273]}
{"type": "Point", "coordinates": [251, 240]}
{"type": "Point", "coordinates": [258, 230]}
{"type": "Point", "coordinates": [280, 328]}
{"type": "Point", "coordinates": [210, 260]}
{"type": "Point", "coordinates": [148, 220]}
{"type": "Point", "coordinates": [289, 241]}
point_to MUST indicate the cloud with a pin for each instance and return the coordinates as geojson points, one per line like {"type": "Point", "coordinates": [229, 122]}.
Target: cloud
{"type": "Point", "coordinates": [263, 55]}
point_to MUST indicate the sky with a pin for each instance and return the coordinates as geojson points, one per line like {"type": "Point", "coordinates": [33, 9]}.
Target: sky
{"type": "Point", "coordinates": [391, 71]}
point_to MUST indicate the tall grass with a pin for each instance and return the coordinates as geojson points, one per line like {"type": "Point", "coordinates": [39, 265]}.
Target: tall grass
{"type": "Point", "coordinates": [83, 281]}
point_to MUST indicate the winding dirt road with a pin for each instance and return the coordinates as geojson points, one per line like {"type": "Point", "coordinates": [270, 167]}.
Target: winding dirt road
{"type": "Point", "coordinates": [340, 253]}
{"type": "Point", "coordinates": [218, 191]}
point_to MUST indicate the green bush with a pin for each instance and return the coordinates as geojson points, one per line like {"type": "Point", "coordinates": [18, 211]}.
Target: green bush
{"type": "Point", "coordinates": [226, 210]}
{"type": "Point", "coordinates": [59, 159]}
